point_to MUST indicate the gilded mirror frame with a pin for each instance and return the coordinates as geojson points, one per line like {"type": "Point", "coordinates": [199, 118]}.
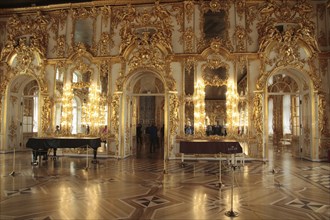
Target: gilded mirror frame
{"type": "Point", "coordinates": [84, 14]}
{"type": "Point", "coordinates": [214, 80]}
{"type": "Point", "coordinates": [215, 6]}
{"type": "Point", "coordinates": [215, 110]}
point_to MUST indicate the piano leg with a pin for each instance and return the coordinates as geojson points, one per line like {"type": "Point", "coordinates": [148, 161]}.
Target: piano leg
{"type": "Point", "coordinates": [54, 154]}
{"type": "Point", "coordinates": [182, 159]}
{"type": "Point", "coordinates": [94, 157]}
{"type": "Point", "coordinates": [34, 158]}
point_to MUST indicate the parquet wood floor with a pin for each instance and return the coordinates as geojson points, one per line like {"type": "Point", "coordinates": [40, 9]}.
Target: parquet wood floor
{"type": "Point", "coordinates": [136, 188]}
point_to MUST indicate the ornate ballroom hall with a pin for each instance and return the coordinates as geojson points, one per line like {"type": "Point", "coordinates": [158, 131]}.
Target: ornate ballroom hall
{"type": "Point", "coordinates": [102, 103]}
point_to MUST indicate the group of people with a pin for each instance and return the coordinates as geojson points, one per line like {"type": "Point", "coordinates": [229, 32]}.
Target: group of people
{"type": "Point", "coordinates": [216, 130]}
{"type": "Point", "coordinates": [155, 138]}
{"type": "Point", "coordinates": [210, 130]}
{"type": "Point", "coordinates": [86, 129]}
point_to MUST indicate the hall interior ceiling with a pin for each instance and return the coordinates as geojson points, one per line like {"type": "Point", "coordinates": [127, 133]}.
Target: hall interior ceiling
{"type": "Point", "coordinates": [29, 3]}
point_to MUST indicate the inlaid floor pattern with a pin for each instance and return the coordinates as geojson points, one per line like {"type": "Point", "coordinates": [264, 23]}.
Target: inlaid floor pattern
{"type": "Point", "coordinates": [138, 188]}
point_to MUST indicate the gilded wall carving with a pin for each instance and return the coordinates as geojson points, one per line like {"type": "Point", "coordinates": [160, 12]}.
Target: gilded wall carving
{"type": "Point", "coordinates": [211, 78]}
{"type": "Point", "coordinates": [115, 106]}
{"type": "Point", "coordinates": [104, 43]}
{"type": "Point", "coordinates": [147, 55]}
{"type": "Point", "coordinates": [34, 26]}
{"type": "Point", "coordinates": [174, 117]}
{"type": "Point", "coordinates": [323, 119]}
{"type": "Point", "coordinates": [302, 28]}
{"type": "Point", "coordinates": [257, 119]}
{"type": "Point", "coordinates": [45, 115]}
{"type": "Point", "coordinates": [187, 38]}
{"type": "Point", "coordinates": [136, 26]}
{"type": "Point", "coordinates": [59, 48]}
{"type": "Point", "coordinates": [241, 36]}
{"type": "Point", "coordinates": [189, 10]}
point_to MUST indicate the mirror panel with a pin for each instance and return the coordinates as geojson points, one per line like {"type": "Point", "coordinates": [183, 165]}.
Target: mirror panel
{"type": "Point", "coordinates": [215, 76]}
{"type": "Point", "coordinates": [83, 31]}
{"type": "Point", "coordinates": [189, 81]}
{"type": "Point", "coordinates": [215, 25]}
{"type": "Point", "coordinates": [215, 110]}
{"type": "Point", "coordinates": [189, 120]}
{"type": "Point", "coordinates": [242, 81]}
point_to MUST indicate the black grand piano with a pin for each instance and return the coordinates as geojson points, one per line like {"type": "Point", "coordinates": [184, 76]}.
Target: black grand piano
{"type": "Point", "coordinates": [209, 147]}
{"type": "Point", "coordinates": [41, 145]}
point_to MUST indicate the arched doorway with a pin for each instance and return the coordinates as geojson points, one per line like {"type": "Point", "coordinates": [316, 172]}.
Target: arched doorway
{"type": "Point", "coordinates": [22, 113]}
{"type": "Point", "coordinates": [284, 113]}
{"type": "Point", "coordinates": [145, 107]}
{"type": "Point", "coordinates": [288, 107]}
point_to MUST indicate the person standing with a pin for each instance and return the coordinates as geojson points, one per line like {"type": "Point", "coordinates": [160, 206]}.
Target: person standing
{"type": "Point", "coordinates": [153, 137]}
{"type": "Point", "coordinates": [87, 129]}
{"type": "Point", "coordinates": [57, 130]}
{"type": "Point", "coordinates": [162, 136]}
{"type": "Point", "coordinates": [139, 134]}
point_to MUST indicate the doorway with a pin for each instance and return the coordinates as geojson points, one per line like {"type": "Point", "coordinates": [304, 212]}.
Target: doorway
{"type": "Point", "coordinates": [149, 137]}
{"type": "Point", "coordinates": [146, 115]}
{"type": "Point", "coordinates": [22, 111]}
{"type": "Point", "coordinates": [284, 115]}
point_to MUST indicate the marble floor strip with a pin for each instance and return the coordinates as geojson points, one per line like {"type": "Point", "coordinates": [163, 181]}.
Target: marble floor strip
{"type": "Point", "coordinates": [137, 188]}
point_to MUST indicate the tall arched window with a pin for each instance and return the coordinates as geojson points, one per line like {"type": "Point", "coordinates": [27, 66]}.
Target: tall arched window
{"type": "Point", "coordinates": [76, 77]}
{"type": "Point", "coordinates": [270, 116]}
{"type": "Point", "coordinates": [286, 114]}
{"type": "Point", "coordinates": [30, 107]}
{"type": "Point", "coordinates": [35, 110]}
